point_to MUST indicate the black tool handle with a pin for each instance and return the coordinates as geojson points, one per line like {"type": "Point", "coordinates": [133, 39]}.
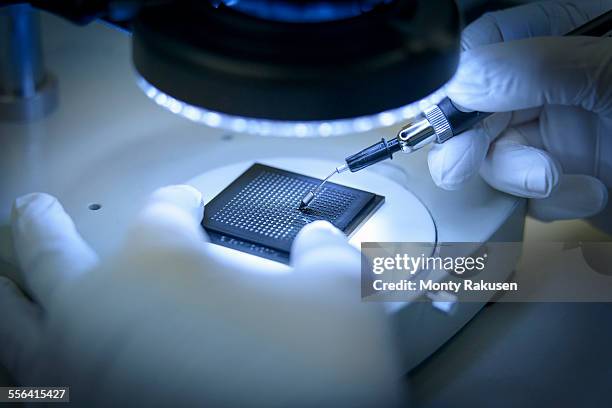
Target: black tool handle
{"type": "Point", "coordinates": [458, 120]}
{"type": "Point", "coordinates": [377, 152]}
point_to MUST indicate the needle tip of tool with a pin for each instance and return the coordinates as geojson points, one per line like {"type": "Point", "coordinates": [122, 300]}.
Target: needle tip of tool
{"type": "Point", "coordinates": [312, 194]}
{"type": "Point", "coordinates": [307, 200]}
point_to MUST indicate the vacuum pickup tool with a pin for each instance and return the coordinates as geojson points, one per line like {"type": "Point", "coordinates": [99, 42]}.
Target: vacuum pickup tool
{"type": "Point", "coordinates": [436, 125]}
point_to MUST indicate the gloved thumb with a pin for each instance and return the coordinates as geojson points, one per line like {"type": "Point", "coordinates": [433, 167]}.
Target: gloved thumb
{"type": "Point", "coordinates": [322, 248]}
{"type": "Point", "coordinates": [171, 218]}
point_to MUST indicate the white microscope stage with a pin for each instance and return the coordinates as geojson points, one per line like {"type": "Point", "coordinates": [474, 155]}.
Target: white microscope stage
{"type": "Point", "coordinates": [108, 144]}
{"type": "Point", "coordinates": [383, 226]}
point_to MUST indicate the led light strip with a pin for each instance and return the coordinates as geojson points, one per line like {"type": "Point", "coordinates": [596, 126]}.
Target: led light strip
{"type": "Point", "coordinates": [265, 127]}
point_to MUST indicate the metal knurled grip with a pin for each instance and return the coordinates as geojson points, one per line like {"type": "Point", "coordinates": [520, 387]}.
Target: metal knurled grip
{"type": "Point", "coordinates": [438, 121]}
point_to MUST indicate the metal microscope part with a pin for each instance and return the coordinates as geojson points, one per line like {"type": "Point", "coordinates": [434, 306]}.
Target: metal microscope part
{"type": "Point", "coordinates": [186, 49]}
{"type": "Point", "coordinates": [27, 91]}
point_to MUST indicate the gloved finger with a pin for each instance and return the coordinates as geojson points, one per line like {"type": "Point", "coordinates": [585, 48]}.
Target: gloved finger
{"type": "Point", "coordinates": [454, 162]}
{"type": "Point", "coordinates": [578, 196]}
{"type": "Point", "coordinates": [322, 249]}
{"type": "Point", "coordinates": [515, 167]}
{"type": "Point", "coordinates": [49, 249]}
{"type": "Point", "coordinates": [20, 328]}
{"type": "Point", "coordinates": [530, 73]}
{"type": "Point", "coordinates": [170, 219]}
{"type": "Point", "coordinates": [543, 18]}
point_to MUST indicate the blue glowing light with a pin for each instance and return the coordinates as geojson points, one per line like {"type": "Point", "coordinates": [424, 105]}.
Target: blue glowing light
{"type": "Point", "coordinates": [304, 11]}
{"type": "Point", "coordinates": [265, 127]}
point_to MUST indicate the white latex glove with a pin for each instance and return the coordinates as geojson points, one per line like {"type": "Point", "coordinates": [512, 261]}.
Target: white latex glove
{"type": "Point", "coordinates": [554, 143]}
{"type": "Point", "coordinates": [162, 323]}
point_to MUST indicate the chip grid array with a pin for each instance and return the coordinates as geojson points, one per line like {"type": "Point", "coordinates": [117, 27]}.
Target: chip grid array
{"type": "Point", "coordinates": [268, 205]}
{"type": "Point", "coordinates": [259, 212]}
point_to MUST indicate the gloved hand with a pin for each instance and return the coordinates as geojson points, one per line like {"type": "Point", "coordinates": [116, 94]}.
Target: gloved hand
{"type": "Point", "coordinates": [164, 323]}
{"type": "Point", "coordinates": [553, 144]}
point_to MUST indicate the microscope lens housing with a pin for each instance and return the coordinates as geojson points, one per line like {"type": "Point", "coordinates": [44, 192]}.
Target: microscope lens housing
{"type": "Point", "coordinates": [297, 68]}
